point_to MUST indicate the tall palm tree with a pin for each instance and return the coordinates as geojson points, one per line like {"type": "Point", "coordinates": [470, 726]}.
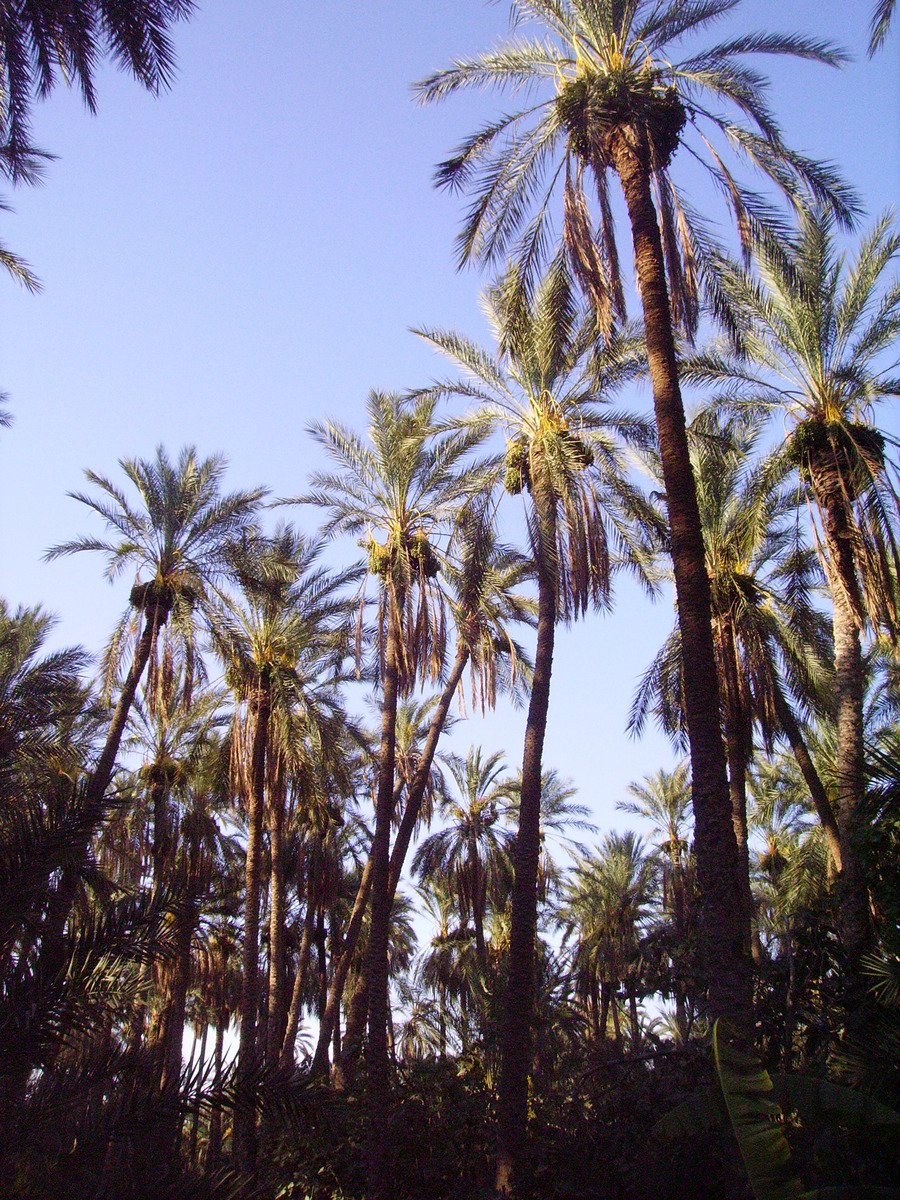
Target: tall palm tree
{"type": "Point", "coordinates": [482, 592]}
{"type": "Point", "coordinates": [614, 98]}
{"type": "Point", "coordinates": [50, 39]}
{"type": "Point", "coordinates": [550, 397]}
{"type": "Point", "coordinates": [770, 637]}
{"type": "Point", "coordinates": [472, 853]}
{"type": "Point", "coordinates": [283, 651]}
{"type": "Point", "coordinates": [604, 908]}
{"type": "Point", "coordinates": [178, 537]}
{"type": "Point", "coordinates": [817, 326]}
{"type": "Point", "coordinates": [402, 491]}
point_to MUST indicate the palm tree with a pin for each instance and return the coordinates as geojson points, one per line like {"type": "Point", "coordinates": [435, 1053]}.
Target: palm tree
{"type": "Point", "coordinates": [482, 593]}
{"type": "Point", "coordinates": [664, 800]}
{"type": "Point", "coordinates": [615, 99]}
{"type": "Point", "coordinates": [48, 39]}
{"type": "Point", "coordinates": [403, 492]}
{"type": "Point", "coordinates": [177, 538]}
{"type": "Point", "coordinates": [563, 450]}
{"type": "Point", "coordinates": [770, 637]}
{"type": "Point", "coordinates": [816, 328]}
{"type": "Point", "coordinates": [283, 652]}
{"type": "Point", "coordinates": [605, 906]}
{"type": "Point", "coordinates": [471, 855]}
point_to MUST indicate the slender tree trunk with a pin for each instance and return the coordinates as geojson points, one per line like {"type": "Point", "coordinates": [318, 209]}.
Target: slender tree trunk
{"type": "Point", "coordinates": [791, 729]}
{"type": "Point", "coordinates": [414, 796]}
{"type": "Point", "coordinates": [604, 1009]}
{"type": "Point", "coordinates": [479, 887]}
{"type": "Point", "coordinates": [617, 1027]}
{"type": "Point", "coordinates": [849, 685]}
{"type": "Point", "coordinates": [515, 1041]}
{"type": "Point", "coordinates": [277, 910]}
{"type": "Point", "coordinates": [195, 1115]}
{"type": "Point", "coordinates": [293, 1017]}
{"type": "Point", "coordinates": [726, 965]}
{"type": "Point", "coordinates": [245, 1113]}
{"type": "Point", "coordinates": [379, 1090]}
{"type": "Point", "coordinates": [60, 904]}
{"type": "Point", "coordinates": [322, 962]}
{"type": "Point", "coordinates": [354, 1032]}
{"type": "Point", "coordinates": [214, 1145]}
{"type": "Point", "coordinates": [339, 976]}
{"type": "Point", "coordinates": [737, 751]}
{"type": "Point", "coordinates": [853, 905]}
{"type": "Point", "coordinates": [635, 1020]}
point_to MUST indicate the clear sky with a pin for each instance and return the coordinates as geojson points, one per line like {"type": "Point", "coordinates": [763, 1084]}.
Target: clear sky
{"type": "Point", "coordinates": [245, 253]}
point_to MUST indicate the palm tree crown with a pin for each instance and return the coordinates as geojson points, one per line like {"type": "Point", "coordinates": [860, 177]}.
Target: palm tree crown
{"type": "Point", "coordinates": [47, 39]}
{"type": "Point", "coordinates": [603, 72]}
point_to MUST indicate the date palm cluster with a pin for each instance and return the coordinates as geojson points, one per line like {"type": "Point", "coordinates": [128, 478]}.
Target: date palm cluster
{"type": "Point", "coordinates": [264, 933]}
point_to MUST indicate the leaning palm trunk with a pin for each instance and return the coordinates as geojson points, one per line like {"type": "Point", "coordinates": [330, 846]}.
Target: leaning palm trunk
{"type": "Point", "coordinates": [726, 966]}
{"type": "Point", "coordinates": [286, 1057]}
{"type": "Point", "coordinates": [737, 749]}
{"type": "Point", "coordinates": [61, 901]}
{"type": "Point", "coordinates": [811, 778]}
{"type": "Point", "coordinates": [377, 965]}
{"type": "Point", "coordinates": [245, 1115]}
{"type": "Point", "coordinates": [515, 1046]}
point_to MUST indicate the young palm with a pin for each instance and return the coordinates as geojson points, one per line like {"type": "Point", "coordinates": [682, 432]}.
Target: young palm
{"type": "Point", "coordinates": [403, 492]}
{"type": "Point", "coordinates": [605, 905]}
{"type": "Point", "coordinates": [818, 332]}
{"type": "Point", "coordinates": [547, 390]}
{"type": "Point", "coordinates": [614, 99]}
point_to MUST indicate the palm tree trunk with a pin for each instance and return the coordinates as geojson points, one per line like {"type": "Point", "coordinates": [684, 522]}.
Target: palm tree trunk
{"type": "Point", "coordinates": [726, 966]}
{"type": "Point", "coordinates": [853, 904]}
{"type": "Point", "coordinates": [849, 685]}
{"type": "Point", "coordinates": [414, 797]}
{"type": "Point", "coordinates": [244, 1114]}
{"type": "Point", "coordinates": [354, 1031]}
{"type": "Point", "coordinates": [286, 1057]}
{"type": "Point", "coordinates": [61, 901]}
{"type": "Point", "coordinates": [379, 1092]}
{"type": "Point", "coordinates": [791, 729]}
{"type": "Point", "coordinates": [604, 1009]}
{"type": "Point", "coordinates": [195, 1115]}
{"type": "Point", "coordinates": [416, 790]}
{"type": "Point", "coordinates": [339, 976]}
{"type": "Point", "coordinates": [214, 1145]}
{"type": "Point", "coordinates": [277, 912]}
{"type": "Point", "coordinates": [737, 750]}
{"type": "Point", "coordinates": [515, 1044]}
{"type": "Point", "coordinates": [635, 1020]}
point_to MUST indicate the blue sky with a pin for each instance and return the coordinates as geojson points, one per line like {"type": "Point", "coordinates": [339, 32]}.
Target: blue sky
{"type": "Point", "coordinates": [246, 253]}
